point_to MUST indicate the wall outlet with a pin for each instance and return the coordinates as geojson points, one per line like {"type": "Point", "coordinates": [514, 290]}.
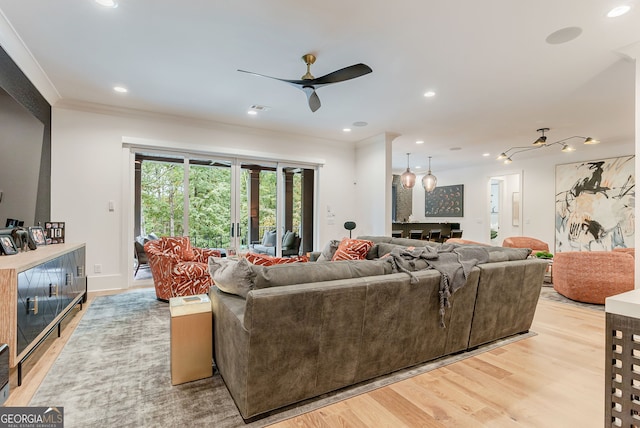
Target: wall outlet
{"type": "Point", "coordinates": [97, 268]}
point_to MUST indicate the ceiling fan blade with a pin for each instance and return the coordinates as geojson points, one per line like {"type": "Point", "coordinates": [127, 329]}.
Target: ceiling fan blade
{"type": "Point", "coordinates": [343, 74]}
{"type": "Point", "coordinates": [294, 82]}
{"type": "Point", "coordinates": [314, 100]}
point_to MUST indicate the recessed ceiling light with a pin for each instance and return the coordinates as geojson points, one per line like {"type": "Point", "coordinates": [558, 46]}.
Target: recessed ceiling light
{"type": "Point", "coordinates": [429, 94]}
{"type": "Point", "coordinates": [420, 142]}
{"type": "Point", "coordinates": [252, 113]}
{"type": "Point", "coordinates": [120, 89]}
{"type": "Point", "coordinates": [360, 123]}
{"type": "Point", "coordinates": [417, 167]}
{"type": "Point", "coordinates": [346, 129]}
{"type": "Point", "coordinates": [107, 3]}
{"type": "Point", "coordinates": [618, 11]}
{"type": "Point", "coordinates": [453, 149]}
{"type": "Point", "coordinates": [486, 154]}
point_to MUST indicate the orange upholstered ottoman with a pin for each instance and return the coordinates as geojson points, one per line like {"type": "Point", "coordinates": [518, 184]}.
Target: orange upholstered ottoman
{"type": "Point", "coordinates": [592, 276]}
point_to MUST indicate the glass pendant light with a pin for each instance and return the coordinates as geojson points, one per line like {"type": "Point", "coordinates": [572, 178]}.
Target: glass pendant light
{"type": "Point", "coordinates": [408, 178]}
{"type": "Point", "coordinates": [429, 181]}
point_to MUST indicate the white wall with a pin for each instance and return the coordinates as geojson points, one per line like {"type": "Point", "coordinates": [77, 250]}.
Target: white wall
{"type": "Point", "coordinates": [89, 170]}
{"type": "Point", "coordinates": [537, 198]}
{"type": "Point", "coordinates": [373, 186]}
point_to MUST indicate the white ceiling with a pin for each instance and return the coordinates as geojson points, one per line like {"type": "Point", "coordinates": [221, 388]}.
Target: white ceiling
{"type": "Point", "coordinates": [497, 80]}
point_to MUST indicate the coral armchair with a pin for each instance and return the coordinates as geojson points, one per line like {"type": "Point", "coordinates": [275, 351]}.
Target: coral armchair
{"type": "Point", "coordinates": [526, 242]}
{"type": "Point", "coordinates": [592, 276]}
{"type": "Point", "coordinates": [178, 269]}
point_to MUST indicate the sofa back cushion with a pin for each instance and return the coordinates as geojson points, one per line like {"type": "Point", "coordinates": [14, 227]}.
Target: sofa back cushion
{"type": "Point", "coordinates": [326, 255]}
{"type": "Point", "coordinates": [302, 273]}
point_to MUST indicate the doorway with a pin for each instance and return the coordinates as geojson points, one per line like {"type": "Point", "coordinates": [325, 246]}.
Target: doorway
{"type": "Point", "coordinates": [505, 213]}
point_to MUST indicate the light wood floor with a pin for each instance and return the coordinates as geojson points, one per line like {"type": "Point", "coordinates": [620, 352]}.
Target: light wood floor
{"type": "Point", "coordinates": [555, 379]}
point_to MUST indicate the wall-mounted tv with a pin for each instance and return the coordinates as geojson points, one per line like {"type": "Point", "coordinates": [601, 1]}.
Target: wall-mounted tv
{"type": "Point", "coordinates": [21, 136]}
{"type": "Point", "coordinates": [25, 148]}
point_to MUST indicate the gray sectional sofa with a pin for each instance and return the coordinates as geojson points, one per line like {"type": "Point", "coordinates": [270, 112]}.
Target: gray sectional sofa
{"type": "Point", "coordinates": [293, 339]}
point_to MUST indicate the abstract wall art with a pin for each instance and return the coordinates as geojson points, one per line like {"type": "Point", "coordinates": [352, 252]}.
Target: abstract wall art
{"type": "Point", "coordinates": [595, 202]}
{"type": "Point", "coordinates": [445, 201]}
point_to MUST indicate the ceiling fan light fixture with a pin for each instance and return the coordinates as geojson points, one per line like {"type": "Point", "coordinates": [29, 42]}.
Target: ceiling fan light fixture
{"type": "Point", "coordinates": [591, 141]}
{"type": "Point", "coordinates": [429, 181]}
{"type": "Point", "coordinates": [542, 140]}
{"type": "Point", "coordinates": [408, 178]}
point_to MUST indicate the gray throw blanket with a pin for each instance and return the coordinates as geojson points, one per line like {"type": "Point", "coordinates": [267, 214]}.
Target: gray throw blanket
{"type": "Point", "coordinates": [454, 262]}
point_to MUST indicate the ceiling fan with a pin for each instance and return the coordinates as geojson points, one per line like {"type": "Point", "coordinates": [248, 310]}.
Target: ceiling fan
{"type": "Point", "coordinates": [309, 83]}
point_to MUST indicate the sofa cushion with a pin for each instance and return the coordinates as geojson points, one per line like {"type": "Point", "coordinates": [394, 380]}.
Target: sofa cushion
{"type": "Point", "coordinates": [231, 276]}
{"type": "Point", "coordinates": [352, 249]}
{"type": "Point", "coordinates": [266, 260]}
{"type": "Point", "coordinates": [386, 248]}
{"type": "Point", "coordinates": [301, 273]}
{"type": "Point", "coordinates": [326, 255]}
{"type": "Point", "coordinates": [406, 242]}
{"type": "Point", "coordinates": [503, 254]}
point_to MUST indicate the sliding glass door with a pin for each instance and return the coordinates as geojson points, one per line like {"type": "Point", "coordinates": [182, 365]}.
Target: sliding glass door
{"type": "Point", "coordinates": [222, 203]}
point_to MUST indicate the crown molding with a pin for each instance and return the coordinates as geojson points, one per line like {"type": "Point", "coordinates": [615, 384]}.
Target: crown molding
{"type": "Point", "coordinates": [15, 47]}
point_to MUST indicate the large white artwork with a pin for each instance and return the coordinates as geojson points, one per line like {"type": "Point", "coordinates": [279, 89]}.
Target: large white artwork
{"type": "Point", "coordinates": [595, 202]}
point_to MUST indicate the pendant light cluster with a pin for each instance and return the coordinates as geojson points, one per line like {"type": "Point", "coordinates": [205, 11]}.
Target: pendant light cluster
{"type": "Point", "coordinates": [408, 178]}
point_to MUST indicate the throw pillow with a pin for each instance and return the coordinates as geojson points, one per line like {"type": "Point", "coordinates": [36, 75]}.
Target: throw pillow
{"type": "Point", "coordinates": [352, 249]}
{"type": "Point", "coordinates": [232, 276]}
{"type": "Point", "coordinates": [328, 251]}
{"type": "Point", "coordinates": [288, 239]}
{"type": "Point", "coordinates": [269, 238]}
{"type": "Point", "coordinates": [267, 260]}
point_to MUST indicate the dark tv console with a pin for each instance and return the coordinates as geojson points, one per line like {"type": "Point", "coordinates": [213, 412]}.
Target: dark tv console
{"type": "Point", "coordinates": [39, 289]}
{"type": "Point", "coordinates": [4, 373]}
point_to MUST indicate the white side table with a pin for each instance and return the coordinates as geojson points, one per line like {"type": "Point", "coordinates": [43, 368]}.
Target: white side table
{"type": "Point", "coordinates": [191, 338]}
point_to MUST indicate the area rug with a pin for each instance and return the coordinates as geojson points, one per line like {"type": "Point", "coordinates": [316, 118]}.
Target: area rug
{"type": "Point", "coordinates": [548, 293]}
{"type": "Point", "coordinates": [115, 371]}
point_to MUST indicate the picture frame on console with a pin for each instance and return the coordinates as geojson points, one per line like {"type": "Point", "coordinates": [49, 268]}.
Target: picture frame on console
{"type": "Point", "coordinates": [8, 245]}
{"type": "Point", "coordinates": [37, 235]}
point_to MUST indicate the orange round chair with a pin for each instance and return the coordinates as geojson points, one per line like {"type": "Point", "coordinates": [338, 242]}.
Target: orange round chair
{"type": "Point", "coordinates": [592, 276]}
{"type": "Point", "coordinates": [526, 242]}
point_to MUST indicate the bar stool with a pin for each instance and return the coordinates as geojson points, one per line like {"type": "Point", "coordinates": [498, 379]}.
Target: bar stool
{"type": "Point", "coordinates": [415, 234]}
{"type": "Point", "coordinates": [456, 233]}
{"type": "Point", "coordinates": [434, 235]}
{"type": "Point", "coordinates": [396, 233]}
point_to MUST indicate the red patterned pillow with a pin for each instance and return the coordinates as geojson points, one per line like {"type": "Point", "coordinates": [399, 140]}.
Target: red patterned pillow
{"type": "Point", "coordinates": [266, 260]}
{"type": "Point", "coordinates": [352, 249]}
{"type": "Point", "coordinates": [178, 245]}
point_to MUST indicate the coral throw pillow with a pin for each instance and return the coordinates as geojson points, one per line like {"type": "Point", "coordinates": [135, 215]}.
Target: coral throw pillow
{"type": "Point", "coordinates": [266, 260]}
{"type": "Point", "coordinates": [352, 249]}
